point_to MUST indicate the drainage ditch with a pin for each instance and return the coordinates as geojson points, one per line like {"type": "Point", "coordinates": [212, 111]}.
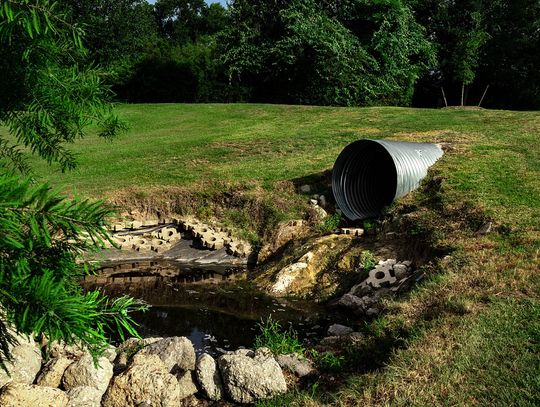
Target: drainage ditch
{"type": "Point", "coordinates": [215, 306]}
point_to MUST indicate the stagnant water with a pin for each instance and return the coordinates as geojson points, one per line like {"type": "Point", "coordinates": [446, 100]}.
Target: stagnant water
{"type": "Point", "coordinates": [215, 307]}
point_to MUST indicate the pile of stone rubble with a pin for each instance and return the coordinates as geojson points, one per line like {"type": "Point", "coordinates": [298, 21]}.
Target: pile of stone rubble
{"type": "Point", "coordinates": [152, 371]}
{"type": "Point", "coordinates": [389, 276]}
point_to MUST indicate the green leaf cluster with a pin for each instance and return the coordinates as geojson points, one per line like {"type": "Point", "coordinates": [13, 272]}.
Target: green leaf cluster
{"type": "Point", "coordinates": [349, 52]}
{"type": "Point", "coordinates": [48, 100]}
{"type": "Point", "coordinates": [279, 340]}
{"type": "Point", "coordinates": [49, 95]}
{"type": "Point", "coordinates": [42, 238]}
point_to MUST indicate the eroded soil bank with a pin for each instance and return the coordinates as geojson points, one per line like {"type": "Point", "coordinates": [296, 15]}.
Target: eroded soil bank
{"type": "Point", "coordinates": [302, 273]}
{"type": "Point", "coordinates": [310, 273]}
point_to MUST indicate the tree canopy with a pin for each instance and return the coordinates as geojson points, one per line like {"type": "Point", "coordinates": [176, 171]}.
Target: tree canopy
{"type": "Point", "coordinates": [339, 52]}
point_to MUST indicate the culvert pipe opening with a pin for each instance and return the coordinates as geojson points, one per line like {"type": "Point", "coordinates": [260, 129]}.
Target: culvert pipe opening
{"type": "Point", "coordinates": [369, 175]}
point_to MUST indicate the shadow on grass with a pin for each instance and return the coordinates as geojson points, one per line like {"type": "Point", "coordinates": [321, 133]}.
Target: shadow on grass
{"type": "Point", "coordinates": [319, 183]}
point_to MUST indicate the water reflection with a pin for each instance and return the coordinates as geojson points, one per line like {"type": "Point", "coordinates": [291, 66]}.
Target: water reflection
{"type": "Point", "coordinates": [217, 309]}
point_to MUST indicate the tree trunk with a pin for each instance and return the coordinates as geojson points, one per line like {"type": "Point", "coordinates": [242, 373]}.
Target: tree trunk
{"type": "Point", "coordinates": [484, 95]}
{"type": "Point", "coordinates": [444, 96]}
{"type": "Point", "coordinates": [462, 92]}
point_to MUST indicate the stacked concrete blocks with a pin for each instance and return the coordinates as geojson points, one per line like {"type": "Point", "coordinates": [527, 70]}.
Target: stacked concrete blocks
{"type": "Point", "coordinates": [216, 237]}
{"type": "Point", "coordinates": [150, 236]}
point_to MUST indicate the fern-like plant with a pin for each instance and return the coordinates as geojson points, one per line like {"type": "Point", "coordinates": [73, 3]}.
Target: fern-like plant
{"type": "Point", "coordinates": [42, 238]}
{"type": "Point", "coordinates": [48, 98]}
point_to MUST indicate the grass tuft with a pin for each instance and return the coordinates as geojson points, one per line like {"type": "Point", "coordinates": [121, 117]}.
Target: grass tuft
{"type": "Point", "coordinates": [280, 341]}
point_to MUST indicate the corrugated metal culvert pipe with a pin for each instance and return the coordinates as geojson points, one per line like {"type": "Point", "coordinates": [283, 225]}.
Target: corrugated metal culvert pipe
{"type": "Point", "coordinates": [370, 174]}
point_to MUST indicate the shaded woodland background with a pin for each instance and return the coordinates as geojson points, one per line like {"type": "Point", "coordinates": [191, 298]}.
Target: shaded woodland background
{"type": "Point", "coordinates": [324, 52]}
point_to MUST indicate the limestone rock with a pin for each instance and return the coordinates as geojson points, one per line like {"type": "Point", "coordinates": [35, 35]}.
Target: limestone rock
{"type": "Point", "coordinates": [241, 351]}
{"type": "Point", "coordinates": [60, 349]}
{"type": "Point", "coordinates": [361, 289]}
{"type": "Point", "coordinates": [208, 377]}
{"type": "Point", "coordinates": [84, 396]}
{"type": "Point", "coordinates": [131, 343]}
{"type": "Point", "coordinates": [85, 373]}
{"type": "Point", "coordinates": [110, 353]}
{"type": "Point", "coordinates": [51, 374]}
{"type": "Point", "coordinates": [249, 378]}
{"type": "Point", "coordinates": [20, 394]}
{"type": "Point", "coordinates": [25, 363]}
{"type": "Point", "coordinates": [400, 271]}
{"type": "Point", "coordinates": [177, 353]}
{"type": "Point", "coordinates": [147, 380]}
{"type": "Point", "coordinates": [291, 362]}
{"type": "Point", "coordinates": [281, 235]}
{"type": "Point", "coordinates": [287, 276]}
{"type": "Point", "coordinates": [339, 330]}
{"type": "Point", "coordinates": [310, 274]}
{"type": "Point", "coordinates": [317, 214]}
{"type": "Point", "coordinates": [351, 301]}
{"type": "Point", "coordinates": [128, 348]}
{"type": "Point", "coordinates": [186, 386]}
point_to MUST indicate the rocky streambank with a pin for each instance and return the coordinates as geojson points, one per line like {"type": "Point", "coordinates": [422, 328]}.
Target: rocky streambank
{"type": "Point", "coordinates": [142, 372]}
{"type": "Point", "coordinates": [166, 371]}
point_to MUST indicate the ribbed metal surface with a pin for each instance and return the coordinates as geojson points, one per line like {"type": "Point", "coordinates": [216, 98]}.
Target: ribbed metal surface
{"type": "Point", "coordinates": [370, 174]}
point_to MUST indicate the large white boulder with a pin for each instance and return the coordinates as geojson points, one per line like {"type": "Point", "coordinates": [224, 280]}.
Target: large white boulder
{"type": "Point", "coordinates": [51, 374]}
{"type": "Point", "coordinates": [85, 373]}
{"type": "Point", "coordinates": [186, 385]}
{"type": "Point", "coordinates": [25, 363]}
{"type": "Point", "coordinates": [84, 396]}
{"type": "Point", "coordinates": [251, 376]}
{"type": "Point", "coordinates": [147, 380]}
{"type": "Point", "coordinates": [299, 366]}
{"type": "Point", "coordinates": [177, 353]}
{"type": "Point", "coordinates": [60, 349]}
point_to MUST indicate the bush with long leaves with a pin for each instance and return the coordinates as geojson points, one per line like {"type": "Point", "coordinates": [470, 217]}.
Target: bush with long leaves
{"type": "Point", "coordinates": [47, 101]}
{"type": "Point", "coordinates": [42, 238]}
{"type": "Point", "coordinates": [49, 94]}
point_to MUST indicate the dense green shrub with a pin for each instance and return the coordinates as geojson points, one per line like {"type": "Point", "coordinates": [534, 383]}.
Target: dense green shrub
{"type": "Point", "coordinates": [49, 98]}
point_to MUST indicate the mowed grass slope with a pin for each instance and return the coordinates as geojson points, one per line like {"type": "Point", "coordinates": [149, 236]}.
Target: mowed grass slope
{"type": "Point", "coordinates": [174, 144]}
{"type": "Point", "coordinates": [469, 335]}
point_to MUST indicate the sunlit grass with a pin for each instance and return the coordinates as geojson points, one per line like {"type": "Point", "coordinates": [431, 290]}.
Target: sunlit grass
{"type": "Point", "coordinates": [470, 334]}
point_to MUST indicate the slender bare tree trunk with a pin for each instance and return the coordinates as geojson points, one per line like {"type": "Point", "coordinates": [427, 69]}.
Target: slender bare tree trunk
{"type": "Point", "coordinates": [462, 92]}
{"type": "Point", "coordinates": [483, 95]}
{"type": "Point", "coordinates": [444, 96]}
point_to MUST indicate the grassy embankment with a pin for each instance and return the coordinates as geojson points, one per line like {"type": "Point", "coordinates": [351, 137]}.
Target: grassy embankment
{"type": "Point", "coordinates": [470, 333]}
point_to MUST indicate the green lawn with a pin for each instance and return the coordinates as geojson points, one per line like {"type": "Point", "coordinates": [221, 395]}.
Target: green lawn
{"type": "Point", "coordinates": [482, 346]}
{"type": "Point", "coordinates": [174, 144]}
{"type": "Point", "coordinates": [181, 145]}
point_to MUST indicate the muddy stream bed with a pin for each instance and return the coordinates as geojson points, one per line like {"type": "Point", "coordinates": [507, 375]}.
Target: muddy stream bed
{"type": "Point", "coordinates": [214, 306]}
